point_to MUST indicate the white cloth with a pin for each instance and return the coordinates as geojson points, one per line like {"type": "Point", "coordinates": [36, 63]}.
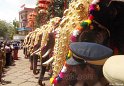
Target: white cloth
{"type": "Point", "coordinates": [6, 47]}
{"type": "Point", "coordinates": [113, 70]}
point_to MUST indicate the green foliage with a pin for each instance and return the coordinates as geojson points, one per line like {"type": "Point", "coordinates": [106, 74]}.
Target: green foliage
{"type": "Point", "coordinates": [16, 25]}
{"type": "Point", "coordinates": [6, 30]}
{"type": "Point", "coordinates": [56, 9]}
{"type": "Point", "coordinates": [3, 28]}
{"type": "Point", "coordinates": [11, 31]}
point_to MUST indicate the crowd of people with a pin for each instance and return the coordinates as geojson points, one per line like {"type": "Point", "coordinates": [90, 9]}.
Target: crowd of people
{"type": "Point", "coordinates": [8, 54]}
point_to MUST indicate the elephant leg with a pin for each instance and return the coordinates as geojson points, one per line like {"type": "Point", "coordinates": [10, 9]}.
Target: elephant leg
{"type": "Point", "coordinates": [26, 51]}
{"type": "Point", "coordinates": [35, 60]}
{"type": "Point", "coordinates": [43, 70]}
{"type": "Point", "coordinates": [31, 62]}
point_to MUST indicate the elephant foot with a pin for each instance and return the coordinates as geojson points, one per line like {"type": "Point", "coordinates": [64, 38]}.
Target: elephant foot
{"type": "Point", "coordinates": [31, 67]}
{"type": "Point", "coordinates": [40, 83]}
{"type": "Point", "coordinates": [36, 71]}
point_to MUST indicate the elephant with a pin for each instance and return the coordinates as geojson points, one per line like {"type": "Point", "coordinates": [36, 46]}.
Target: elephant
{"type": "Point", "coordinates": [39, 44]}
{"type": "Point", "coordinates": [42, 50]}
{"type": "Point", "coordinates": [110, 17]}
{"type": "Point", "coordinates": [63, 26]}
{"type": "Point", "coordinates": [87, 73]}
{"type": "Point", "coordinates": [32, 57]}
{"type": "Point", "coordinates": [74, 15]}
{"type": "Point", "coordinates": [25, 45]}
{"type": "Point", "coordinates": [46, 52]}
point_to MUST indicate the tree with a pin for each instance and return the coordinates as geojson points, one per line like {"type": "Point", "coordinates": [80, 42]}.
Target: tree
{"type": "Point", "coordinates": [6, 30]}
{"type": "Point", "coordinates": [16, 25]}
{"type": "Point", "coordinates": [3, 28]}
{"type": "Point", "coordinates": [10, 31]}
{"type": "Point", "coordinates": [56, 9]}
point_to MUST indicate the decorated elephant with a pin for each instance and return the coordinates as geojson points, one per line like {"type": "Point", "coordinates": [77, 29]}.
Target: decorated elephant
{"type": "Point", "coordinates": [43, 46]}
{"type": "Point", "coordinates": [25, 45]}
{"type": "Point", "coordinates": [77, 12]}
{"type": "Point", "coordinates": [71, 17]}
{"type": "Point", "coordinates": [62, 36]}
{"type": "Point", "coordinates": [86, 69]}
{"type": "Point", "coordinates": [106, 14]}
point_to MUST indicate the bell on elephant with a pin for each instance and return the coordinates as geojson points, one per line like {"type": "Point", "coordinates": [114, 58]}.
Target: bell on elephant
{"type": "Point", "coordinates": [113, 70]}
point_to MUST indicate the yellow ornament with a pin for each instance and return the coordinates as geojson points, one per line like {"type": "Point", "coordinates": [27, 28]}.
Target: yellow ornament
{"type": "Point", "coordinates": [69, 53]}
{"type": "Point", "coordinates": [51, 80]}
{"type": "Point", "coordinates": [88, 21]}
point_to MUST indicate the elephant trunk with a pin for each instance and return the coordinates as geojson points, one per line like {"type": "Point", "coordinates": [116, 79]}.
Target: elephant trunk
{"type": "Point", "coordinates": [35, 60]}
{"type": "Point", "coordinates": [36, 52]}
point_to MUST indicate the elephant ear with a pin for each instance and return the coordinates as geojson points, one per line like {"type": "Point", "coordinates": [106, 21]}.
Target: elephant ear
{"type": "Point", "coordinates": [51, 40]}
{"type": "Point", "coordinates": [50, 45]}
{"type": "Point", "coordinates": [99, 34]}
{"type": "Point", "coordinates": [37, 44]}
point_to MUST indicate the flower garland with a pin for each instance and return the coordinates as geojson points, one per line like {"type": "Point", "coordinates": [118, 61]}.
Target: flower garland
{"type": "Point", "coordinates": [60, 76]}
{"type": "Point", "coordinates": [63, 71]}
{"type": "Point", "coordinates": [84, 25]}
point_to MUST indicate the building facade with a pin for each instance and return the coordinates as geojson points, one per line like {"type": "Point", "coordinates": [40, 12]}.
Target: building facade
{"type": "Point", "coordinates": [23, 16]}
{"type": "Point", "coordinates": [23, 30]}
{"type": "Point", "coordinates": [23, 21]}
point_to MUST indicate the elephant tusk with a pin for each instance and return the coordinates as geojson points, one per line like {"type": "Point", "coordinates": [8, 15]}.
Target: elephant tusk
{"type": "Point", "coordinates": [47, 53]}
{"type": "Point", "coordinates": [35, 52]}
{"type": "Point", "coordinates": [48, 61]}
